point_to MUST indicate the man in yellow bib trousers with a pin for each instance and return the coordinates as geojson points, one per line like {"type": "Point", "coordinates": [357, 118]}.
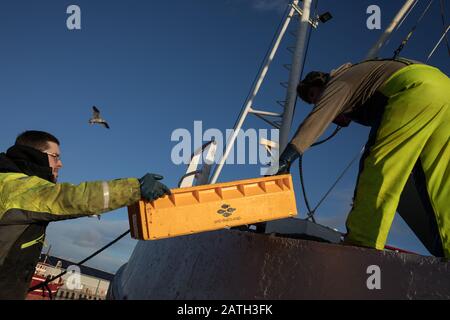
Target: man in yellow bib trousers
{"type": "Point", "coordinates": [407, 104]}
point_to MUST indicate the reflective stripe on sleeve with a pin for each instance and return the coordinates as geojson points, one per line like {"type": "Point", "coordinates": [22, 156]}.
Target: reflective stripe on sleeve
{"type": "Point", "coordinates": [105, 195]}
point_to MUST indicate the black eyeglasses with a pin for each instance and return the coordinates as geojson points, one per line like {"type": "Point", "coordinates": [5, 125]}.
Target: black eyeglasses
{"type": "Point", "coordinates": [56, 156]}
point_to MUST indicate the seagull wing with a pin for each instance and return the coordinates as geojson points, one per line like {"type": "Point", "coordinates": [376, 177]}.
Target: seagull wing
{"type": "Point", "coordinates": [96, 112]}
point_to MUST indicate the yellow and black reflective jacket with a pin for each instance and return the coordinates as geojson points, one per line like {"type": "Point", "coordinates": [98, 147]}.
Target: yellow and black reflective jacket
{"type": "Point", "coordinates": [29, 201]}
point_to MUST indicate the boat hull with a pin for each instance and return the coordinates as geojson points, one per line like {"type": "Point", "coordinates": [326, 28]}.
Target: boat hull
{"type": "Point", "coordinates": [231, 264]}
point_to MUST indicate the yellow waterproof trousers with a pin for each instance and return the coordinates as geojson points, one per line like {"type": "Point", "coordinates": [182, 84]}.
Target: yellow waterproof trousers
{"type": "Point", "coordinates": [414, 128]}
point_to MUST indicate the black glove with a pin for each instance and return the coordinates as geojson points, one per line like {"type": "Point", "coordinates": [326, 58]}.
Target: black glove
{"type": "Point", "coordinates": [288, 156]}
{"type": "Point", "coordinates": [151, 188]}
{"type": "Point", "coordinates": [342, 121]}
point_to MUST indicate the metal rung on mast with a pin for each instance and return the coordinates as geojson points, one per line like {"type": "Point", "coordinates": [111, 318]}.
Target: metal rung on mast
{"type": "Point", "coordinates": [282, 103]}
{"type": "Point", "coordinates": [266, 113]}
{"type": "Point", "coordinates": [313, 22]}
{"type": "Point", "coordinates": [293, 33]}
{"type": "Point", "coordinates": [272, 123]}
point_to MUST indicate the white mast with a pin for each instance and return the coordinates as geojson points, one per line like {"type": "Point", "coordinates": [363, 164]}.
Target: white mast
{"type": "Point", "coordinates": [249, 102]}
{"type": "Point", "coordinates": [373, 52]}
{"type": "Point", "coordinates": [287, 115]}
{"type": "Point", "coordinates": [294, 77]}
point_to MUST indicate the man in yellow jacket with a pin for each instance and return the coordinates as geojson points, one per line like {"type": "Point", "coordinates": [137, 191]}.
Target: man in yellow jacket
{"type": "Point", "coordinates": [407, 105]}
{"type": "Point", "coordinates": [30, 198]}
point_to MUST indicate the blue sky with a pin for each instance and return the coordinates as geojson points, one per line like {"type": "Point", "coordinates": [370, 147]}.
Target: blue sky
{"type": "Point", "coordinates": [155, 66]}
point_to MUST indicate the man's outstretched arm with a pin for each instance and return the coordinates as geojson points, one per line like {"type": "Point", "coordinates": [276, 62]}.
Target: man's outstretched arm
{"type": "Point", "coordinates": [27, 199]}
{"type": "Point", "coordinates": [331, 104]}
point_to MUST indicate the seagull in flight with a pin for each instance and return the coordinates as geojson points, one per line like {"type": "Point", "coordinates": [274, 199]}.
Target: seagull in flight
{"type": "Point", "coordinates": [97, 119]}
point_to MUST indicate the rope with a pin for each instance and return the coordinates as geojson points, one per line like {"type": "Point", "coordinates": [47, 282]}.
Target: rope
{"type": "Point", "coordinates": [46, 282]}
{"type": "Point", "coordinates": [438, 43]}
{"type": "Point", "coordinates": [338, 179]}
{"type": "Point", "coordinates": [310, 214]}
{"type": "Point", "coordinates": [406, 16]}
{"type": "Point", "coordinates": [385, 43]}
{"type": "Point", "coordinates": [335, 132]}
{"type": "Point", "coordinates": [444, 24]}
{"type": "Point", "coordinates": [408, 36]}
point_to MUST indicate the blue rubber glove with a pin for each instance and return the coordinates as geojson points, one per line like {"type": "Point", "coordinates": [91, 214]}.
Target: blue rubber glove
{"type": "Point", "coordinates": [288, 156]}
{"type": "Point", "coordinates": [151, 188]}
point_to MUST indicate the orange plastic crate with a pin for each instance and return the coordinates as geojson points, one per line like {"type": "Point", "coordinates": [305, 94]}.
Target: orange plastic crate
{"type": "Point", "coordinates": [213, 207]}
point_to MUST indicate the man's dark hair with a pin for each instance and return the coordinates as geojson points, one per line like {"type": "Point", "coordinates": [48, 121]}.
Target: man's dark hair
{"type": "Point", "coordinates": [312, 79]}
{"type": "Point", "coordinates": [36, 139]}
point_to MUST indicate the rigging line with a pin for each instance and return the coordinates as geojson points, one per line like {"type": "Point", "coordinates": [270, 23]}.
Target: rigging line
{"type": "Point", "coordinates": [310, 213]}
{"type": "Point", "coordinates": [406, 15]}
{"type": "Point", "coordinates": [46, 282]}
{"type": "Point", "coordinates": [444, 23]}
{"type": "Point", "coordinates": [400, 23]}
{"type": "Point", "coordinates": [410, 33]}
{"type": "Point", "coordinates": [438, 43]}
{"type": "Point", "coordinates": [385, 43]}
{"type": "Point", "coordinates": [335, 132]}
{"type": "Point", "coordinates": [339, 178]}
